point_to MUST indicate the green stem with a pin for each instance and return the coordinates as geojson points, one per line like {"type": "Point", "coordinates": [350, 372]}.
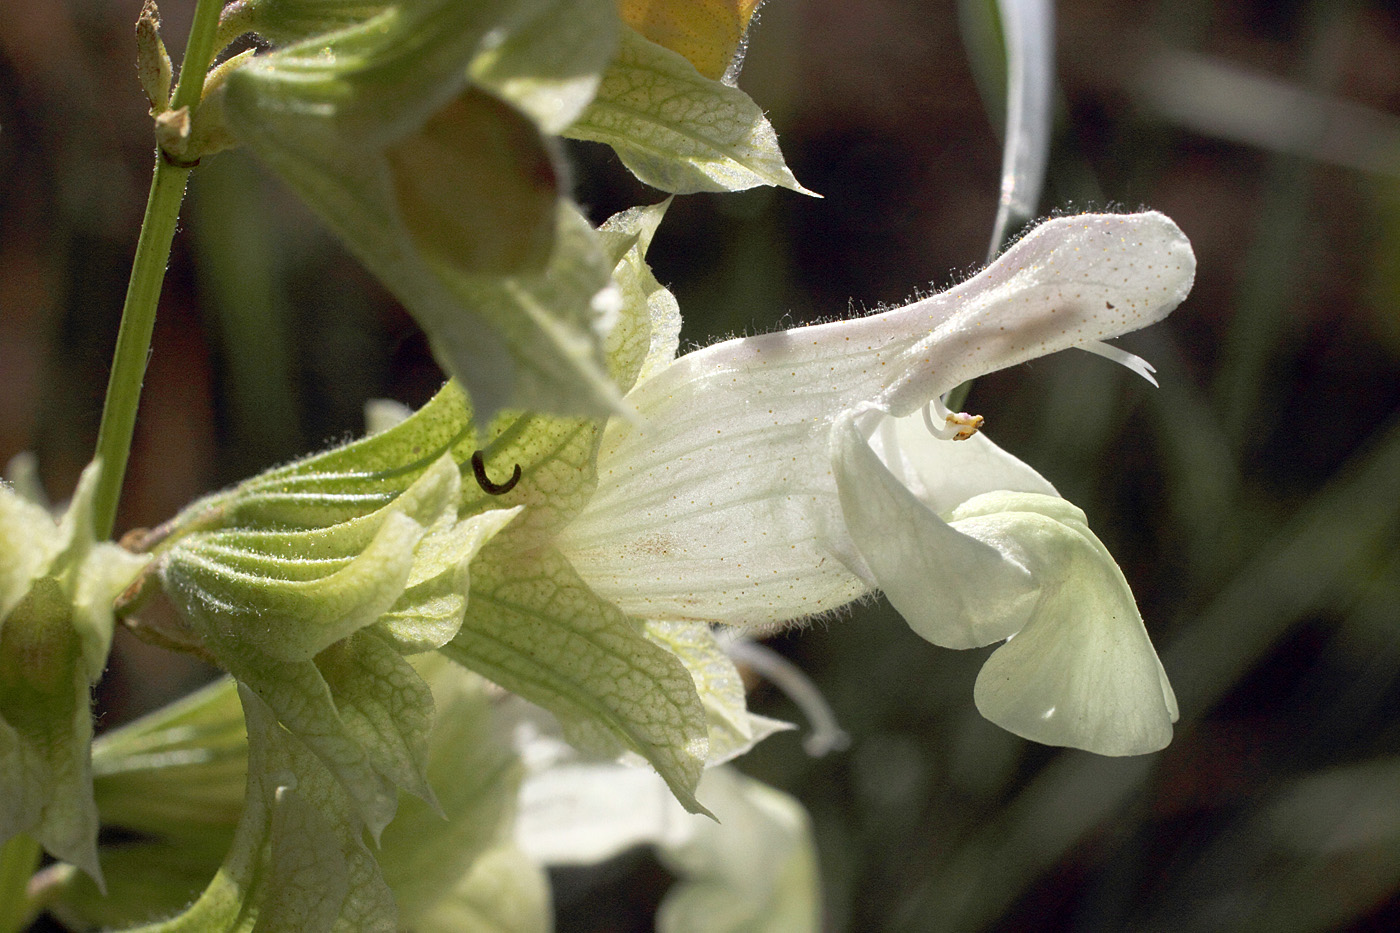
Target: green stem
{"type": "Point", "coordinates": [18, 859]}
{"type": "Point", "coordinates": [199, 54]}
{"type": "Point", "coordinates": [147, 277]}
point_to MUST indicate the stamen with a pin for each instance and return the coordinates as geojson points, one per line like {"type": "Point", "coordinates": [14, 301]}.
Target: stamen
{"type": "Point", "coordinates": [956, 426]}
{"type": "Point", "coordinates": [482, 480]}
{"type": "Point", "coordinates": [1131, 360]}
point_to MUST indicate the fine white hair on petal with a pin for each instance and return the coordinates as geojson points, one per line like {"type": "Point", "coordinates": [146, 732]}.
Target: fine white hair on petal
{"type": "Point", "coordinates": [1068, 282]}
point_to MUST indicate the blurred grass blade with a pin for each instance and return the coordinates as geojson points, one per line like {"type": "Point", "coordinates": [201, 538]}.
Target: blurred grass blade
{"type": "Point", "coordinates": [1297, 573]}
{"type": "Point", "coordinates": [1217, 97]}
{"type": "Point", "coordinates": [1197, 456]}
{"type": "Point", "coordinates": [1025, 838]}
{"type": "Point", "coordinates": [241, 261]}
{"type": "Point", "coordinates": [1264, 326]}
{"type": "Point", "coordinates": [1028, 32]}
{"type": "Point", "coordinates": [1027, 29]}
{"type": "Point", "coordinates": [1320, 853]}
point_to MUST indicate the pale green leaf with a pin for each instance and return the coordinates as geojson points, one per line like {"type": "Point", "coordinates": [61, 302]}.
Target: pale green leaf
{"type": "Point", "coordinates": [448, 194]}
{"type": "Point", "coordinates": [57, 593]}
{"type": "Point", "coordinates": [678, 130]}
{"type": "Point", "coordinates": [553, 323]}
{"type": "Point", "coordinates": [475, 188]}
{"type": "Point", "coordinates": [303, 701]}
{"type": "Point", "coordinates": [505, 892]}
{"type": "Point", "coordinates": [385, 706]}
{"type": "Point", "coordinates": [292, 20]}
{"type": "Point", "coordinates": [550, 61]}
{"type": "Point", "coordinates": [732, 729]}
{"type": "Point", "coordinates": [426, 853]}
{"type": "Point", "coordinates": [536, 629]}
{"type": "Point", "coordinates": [28, 545]}
{"type": "Point", "coordinates": [429, 612]}
{"type": "Point", "coordinates": [649, 333]}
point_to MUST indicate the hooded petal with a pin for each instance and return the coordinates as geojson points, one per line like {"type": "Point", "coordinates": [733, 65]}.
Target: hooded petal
{"type": "Point", "coordinates": [1069, 282]}
{"type": "Point", "coordinates": [718, 501]}
{"type": "Point", "coordinates": [1082, 672]}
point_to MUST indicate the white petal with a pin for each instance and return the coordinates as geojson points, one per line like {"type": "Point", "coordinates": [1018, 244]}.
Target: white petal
{"type": "Point", "coordinates": [946, 474]}
{"type": "Point", "coordinates": [1069, 282]}
{"type": "Point", "coordinates": [581, 813]}
{"type": "Point", "coordinates": [952, 589]}
{"type": "Point", "coordinates": [29, 541]}
{"type": "Point", "coordinates": [1083, 672]}
{"type": "Point", "coordinates": [752, 868]}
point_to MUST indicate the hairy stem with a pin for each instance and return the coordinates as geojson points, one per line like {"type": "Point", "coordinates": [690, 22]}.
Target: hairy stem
{"type": "Point", "coordinates": [147, 276]}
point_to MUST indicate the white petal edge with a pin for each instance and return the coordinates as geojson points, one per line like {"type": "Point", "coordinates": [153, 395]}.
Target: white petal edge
{"type": "Point", "coordinates": [1083, 672]}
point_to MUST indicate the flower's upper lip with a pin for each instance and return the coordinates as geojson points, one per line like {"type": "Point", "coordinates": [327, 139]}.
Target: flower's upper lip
{"type": "Point", "coordinates": [1070, 281]}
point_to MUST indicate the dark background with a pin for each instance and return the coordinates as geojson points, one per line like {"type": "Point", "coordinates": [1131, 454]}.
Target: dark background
{"type": "Point", "coordinates": [1252, 500]}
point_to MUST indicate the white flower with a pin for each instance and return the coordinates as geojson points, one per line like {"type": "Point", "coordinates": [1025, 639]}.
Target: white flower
{"type": "Point", "coordinates": [752, 867]}
{"type": "Point", "coordinates": [773, 477]}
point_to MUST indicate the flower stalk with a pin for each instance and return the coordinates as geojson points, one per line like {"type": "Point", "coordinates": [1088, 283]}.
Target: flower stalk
{"type": "Point", "coordinates": [147, 276]}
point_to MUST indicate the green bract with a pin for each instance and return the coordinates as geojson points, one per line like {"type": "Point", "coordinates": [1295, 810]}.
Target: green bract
{"type": "Point", "coordinates": [418, 130]}
{"type": "Point", "coordinates": [57, 586]}
{"type": "Point", "coordinates": [177, 778]}
{"type": "Point", "coordinates": [310, 582]}
{"type": "Point", "coordinates": [417, 133]}
{"type": "Point", "coordinates": [678, 130]}
{"type": "Point", "coordinates": [314, 619]}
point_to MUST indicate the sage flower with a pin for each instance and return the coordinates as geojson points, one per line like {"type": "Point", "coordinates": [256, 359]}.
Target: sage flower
{"type": "Point", "coordinates": [773, 477]}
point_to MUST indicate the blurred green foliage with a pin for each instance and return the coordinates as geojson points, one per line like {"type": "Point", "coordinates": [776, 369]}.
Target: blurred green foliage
{"type": "Point", "coordinates": [1253, 500]}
